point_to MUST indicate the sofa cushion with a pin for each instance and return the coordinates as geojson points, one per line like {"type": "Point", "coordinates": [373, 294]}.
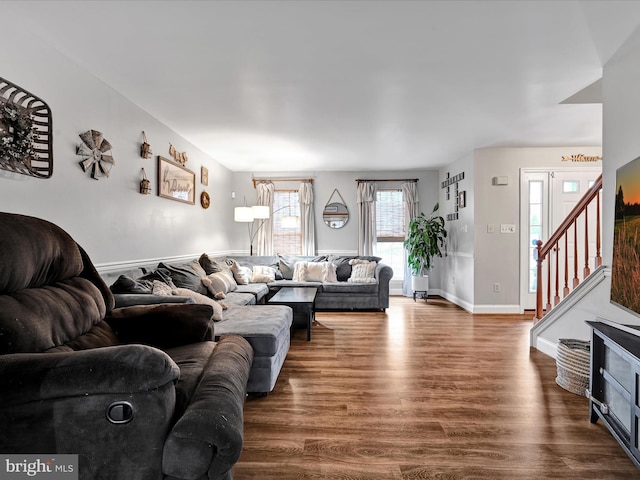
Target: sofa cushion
{"type": "Point", "coordinates": [126, 284]}
{"type": "Point", "coordinates": [240, 298]}
{"type": "Point", "coordinates": [259, 290]}
{"type": "Point", "coordinates": [183, 276]}
{"type": "Point", "coordinates": [191, 360]}
{"type": "Point", "coordinates": [264, 326]}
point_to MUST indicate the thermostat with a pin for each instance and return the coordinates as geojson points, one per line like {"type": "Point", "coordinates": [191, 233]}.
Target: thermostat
{"type": "Point", "coordinates": [500, 181]}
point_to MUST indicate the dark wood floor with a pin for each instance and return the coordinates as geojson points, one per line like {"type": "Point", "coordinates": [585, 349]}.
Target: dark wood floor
{"type": "Point", "coordinates": [423, 391]}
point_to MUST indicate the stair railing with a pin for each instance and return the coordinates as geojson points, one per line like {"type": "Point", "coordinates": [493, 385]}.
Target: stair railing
{"type": "Point", "coordinates": [550, 256]}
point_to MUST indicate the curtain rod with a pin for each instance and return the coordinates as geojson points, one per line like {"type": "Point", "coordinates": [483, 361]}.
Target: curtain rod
{"type": "Point", "coordinates": [360, 180]}
{"type": "Point", "coordinates": [257, 180]}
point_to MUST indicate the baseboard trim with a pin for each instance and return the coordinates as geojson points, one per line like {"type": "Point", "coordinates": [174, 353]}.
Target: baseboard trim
{"type": "Point", "coordinates": [498, 309]}
{"type": "Point", "coordinates": [547, 347]}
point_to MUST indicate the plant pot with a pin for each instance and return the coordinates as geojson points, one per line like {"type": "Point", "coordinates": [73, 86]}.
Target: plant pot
{"type": "Point", "coordinates": [420, 283]}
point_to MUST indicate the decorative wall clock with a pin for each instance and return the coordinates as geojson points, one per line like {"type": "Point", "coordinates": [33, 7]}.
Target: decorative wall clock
{"type": "Point", "coordinates": [26, 136]}
{"type": "Point", "coordinates": [94, 149]}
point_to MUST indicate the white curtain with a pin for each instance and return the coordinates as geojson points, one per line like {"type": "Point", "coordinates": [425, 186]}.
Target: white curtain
{"type": "Point", "coordinates": [307, 219]}
{"type": "Point", "coordinates": [264, 241]}
{"type": "Point", "coordinates": [366, 198]}
{"type": "Point", "coordinates": [410, 200]}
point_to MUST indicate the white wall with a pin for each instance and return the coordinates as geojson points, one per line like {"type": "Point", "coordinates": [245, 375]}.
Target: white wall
{"type": "Point", "coordinates": [109, 218]}
{"type": "Point", "coordinates": [456, 276]}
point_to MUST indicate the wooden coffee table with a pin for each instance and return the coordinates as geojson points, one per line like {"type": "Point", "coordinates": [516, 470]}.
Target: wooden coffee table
{"type": "Point", "coordinates": [301, 300]}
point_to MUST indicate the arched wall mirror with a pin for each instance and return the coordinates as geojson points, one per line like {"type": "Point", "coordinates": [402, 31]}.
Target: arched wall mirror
{"type": "Point", "coordinates": [335, 213]}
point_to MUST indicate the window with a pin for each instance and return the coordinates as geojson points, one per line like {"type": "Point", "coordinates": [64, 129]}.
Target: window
{"type": "Point", "coordinates": [286, 239]}
{"type": "Point", "coordinates": [535, 229]}
{"type": "Point", "coordinates": [390, 230]}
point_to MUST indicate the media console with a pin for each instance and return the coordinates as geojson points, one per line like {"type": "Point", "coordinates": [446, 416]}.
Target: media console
{"type": "Point", "coordinates": [614, 386]}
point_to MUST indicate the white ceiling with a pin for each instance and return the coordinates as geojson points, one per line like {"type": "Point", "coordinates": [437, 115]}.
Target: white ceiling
{"type": "Point", "coordinates": [347, 85]}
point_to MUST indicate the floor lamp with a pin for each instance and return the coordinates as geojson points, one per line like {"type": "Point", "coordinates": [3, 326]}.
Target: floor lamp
{"type": "Point", "coordinates": [261, 213]}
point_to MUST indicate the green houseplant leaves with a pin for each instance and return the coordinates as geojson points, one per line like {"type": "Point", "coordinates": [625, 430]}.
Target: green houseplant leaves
{"type": "Point", "coordinates": [426, 240]}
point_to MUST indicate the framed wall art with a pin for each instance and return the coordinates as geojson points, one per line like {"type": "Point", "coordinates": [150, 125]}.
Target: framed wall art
{"type": "Point", "coordinates": [204, 175]}
{"type": "Point", "coordinates": [176, 182]}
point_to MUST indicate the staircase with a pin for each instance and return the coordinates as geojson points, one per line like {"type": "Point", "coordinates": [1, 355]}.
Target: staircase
{"type": "Point", "coordinates": [564, 261]}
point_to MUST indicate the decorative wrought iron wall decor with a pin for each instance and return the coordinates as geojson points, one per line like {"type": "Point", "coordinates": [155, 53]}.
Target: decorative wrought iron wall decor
{"type": "Point", "coordinates": [26, 134]}
{"type": "Point", "coordinates": [94, 149]}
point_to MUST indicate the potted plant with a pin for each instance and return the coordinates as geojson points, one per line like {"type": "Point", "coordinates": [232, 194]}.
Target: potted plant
{"type": "Point", "coordinates": [426, 240]}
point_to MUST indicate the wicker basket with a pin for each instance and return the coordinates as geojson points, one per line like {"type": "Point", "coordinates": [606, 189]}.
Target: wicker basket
{"type": "Point", "coordinates": [573, 362]}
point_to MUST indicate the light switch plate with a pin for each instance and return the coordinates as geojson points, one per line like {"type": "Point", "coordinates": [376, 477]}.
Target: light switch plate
{"type": "Point", "coordinates": [507, 228]}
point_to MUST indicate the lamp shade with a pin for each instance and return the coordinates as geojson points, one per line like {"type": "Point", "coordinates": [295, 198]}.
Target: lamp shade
{"type": "Point", "coordinates": [243, 214]}
{"type": "Point", "coordinates": [260, 211]}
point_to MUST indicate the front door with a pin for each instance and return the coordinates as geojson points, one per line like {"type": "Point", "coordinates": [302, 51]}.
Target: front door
{"type": "Point", "coordinates": [547, 197]}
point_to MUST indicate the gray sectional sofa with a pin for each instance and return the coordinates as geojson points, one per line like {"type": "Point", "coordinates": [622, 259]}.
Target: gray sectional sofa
{"type": "Point", "coordinates": [266, 327]}
{"type": "Point", "coordinates": [339, 295]}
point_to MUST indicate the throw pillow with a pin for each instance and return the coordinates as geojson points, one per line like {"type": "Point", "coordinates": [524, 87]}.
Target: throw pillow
{"type": "Point", "coordinates": [199, 298]}
{"type": "Point", "coordinates": [363, 271]}
{"type": "Point", "coordinates": [287, 265]}
{"type": "Point", "coordinates": [220, 282]}
{"type": "Point", "coordinates": [126, 284]}
{"type": "Point", "coordinates": [208, 265]}
{"type": "Point", "coordinates": [195, 265]}
{"type": "Point", "coordinates": [314, 272]}
{"type": "Point", "coordinates": [242, 275]}
{"type": "Point", "coordinates": [262, 274]}
{"type": "Point", "coordinates": [183, 276]}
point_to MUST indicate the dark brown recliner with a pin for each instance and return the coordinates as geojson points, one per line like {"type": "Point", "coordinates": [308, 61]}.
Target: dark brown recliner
{"type": "Point", "coordinates": [137, 392]}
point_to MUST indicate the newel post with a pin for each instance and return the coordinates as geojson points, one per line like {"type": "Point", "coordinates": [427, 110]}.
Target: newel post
{"type": "Point", "coordinates": [538, 259]}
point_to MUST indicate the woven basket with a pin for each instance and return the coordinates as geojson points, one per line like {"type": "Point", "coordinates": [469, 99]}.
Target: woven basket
{"type": "Point", "coordinates": [573, 362]}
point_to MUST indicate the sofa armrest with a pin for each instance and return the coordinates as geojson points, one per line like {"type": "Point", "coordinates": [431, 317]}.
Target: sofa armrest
{"type": "Point", "coordinates": [383, 273]}
{"type": "Point", "coordinates": [37, 377]}
{"type": "Point", "coordinates": [130, 299]}
{"type": "Point", "coordinates": [163, 325]}
{"type": "Point", "coordinates": [207, 439]}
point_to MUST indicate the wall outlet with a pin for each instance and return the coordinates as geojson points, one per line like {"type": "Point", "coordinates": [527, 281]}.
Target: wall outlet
{"type": "Point", "coordinates": [496, 287]}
